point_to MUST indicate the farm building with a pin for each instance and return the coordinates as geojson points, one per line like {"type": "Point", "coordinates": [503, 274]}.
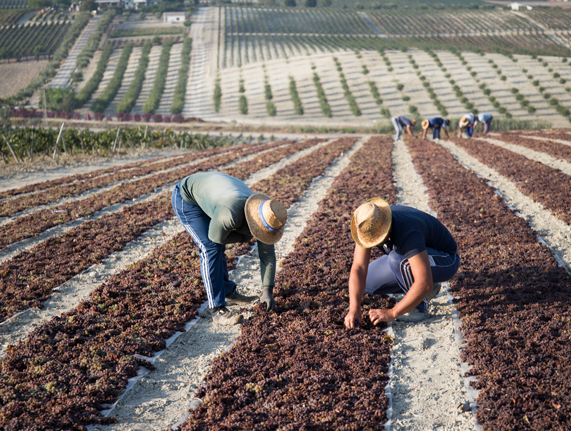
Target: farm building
{"type": "Point", "coordinates": [173, 16]}
{"type": "Point", "coordinates": [103, 4]}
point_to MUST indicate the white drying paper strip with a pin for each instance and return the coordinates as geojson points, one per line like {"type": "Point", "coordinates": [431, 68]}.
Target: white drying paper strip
{"type": "Point", "coordinates": [464, 367]}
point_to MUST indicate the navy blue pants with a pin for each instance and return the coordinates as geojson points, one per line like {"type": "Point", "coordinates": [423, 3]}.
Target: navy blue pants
{"type": "Point", "coordinates": [213, 264]}
{"type": "Point", "coordinates": [392, 273]}
{"type": "Point", "coordinates": [436, 133]}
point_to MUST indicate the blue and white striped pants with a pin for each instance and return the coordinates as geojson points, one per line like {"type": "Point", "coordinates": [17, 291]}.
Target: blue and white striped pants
{"type": "Point", "coordinates": [213, 264]}
{"type": "Point", "coordinates": [392, 273]}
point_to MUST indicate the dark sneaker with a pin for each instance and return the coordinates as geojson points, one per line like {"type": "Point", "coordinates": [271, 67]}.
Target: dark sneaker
{"type": "Point", "coordinates": [415, 315]}
{"type": "Point", "coordinates": [236, 298]}
{"type": "Point", "coordinates": [434, 292]}
{"type": "Point", "coordinates": [223, 316]}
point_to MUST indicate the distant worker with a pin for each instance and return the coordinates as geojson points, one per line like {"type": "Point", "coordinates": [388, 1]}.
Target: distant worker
{"type": "Point", "coordinates": [217, 209]}
{"type": "Point", "coordinates": [468, 121]}
{"type": "Point", "coordinates": [419, 254]}
{"type": "Point", "coordinates": [486, 120]}
{"type": "Point", "coordinates": [435, 123]}
{"type": "Point", "coordinates": [399, 123]}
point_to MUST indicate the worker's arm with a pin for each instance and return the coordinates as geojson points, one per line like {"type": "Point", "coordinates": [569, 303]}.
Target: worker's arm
{"type": "Point", "coordinates": [357, 282]}
{"type": "Point", "coordinates": [409, 132]}
{"type": "Point", "coordinates": [420, 267]}
{"type": "Point", "coordinates": [447, 135]}
{"type": "Point", "coordinates": [424, 133]}
{"type": "Point", "coordinates": [268, 272]}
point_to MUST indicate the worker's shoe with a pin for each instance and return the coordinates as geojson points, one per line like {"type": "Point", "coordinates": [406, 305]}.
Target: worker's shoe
{"type": "Point", "coordinates": [434, 292]}
{"type": "Point", "coordinates": [236, 298]}
{"type": "Point", "coordinates": [223, 316]}
{"type": "Point", "coordinates": [415, 315]}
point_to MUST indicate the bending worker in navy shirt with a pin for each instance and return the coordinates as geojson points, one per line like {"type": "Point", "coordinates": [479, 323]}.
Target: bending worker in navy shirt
{"type": "Point", "coordinates": [436, 124]}
{"type": "Point", "coordinates": [217, 209]}
{"type": "Point", "coordinates": [420, 253]}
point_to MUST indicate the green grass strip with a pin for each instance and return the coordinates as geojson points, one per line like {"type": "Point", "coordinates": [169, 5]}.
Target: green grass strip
{"type": "Point", "coordinates": [154, 100]}
{"type": "Point", "coordinates": [180, 90]}
{"type": "Point", "coordinates": [297, 105]}
{"type": "Point", "coordinates": [130, 97]}
{"type": "Point", "coordinates": [323, 103]}
{"type": "Point", "coordinates": [114, 84]}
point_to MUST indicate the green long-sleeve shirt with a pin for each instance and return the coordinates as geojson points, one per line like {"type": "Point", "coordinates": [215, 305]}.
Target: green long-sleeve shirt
{"type": "Point", "coordinates": [223, 198]}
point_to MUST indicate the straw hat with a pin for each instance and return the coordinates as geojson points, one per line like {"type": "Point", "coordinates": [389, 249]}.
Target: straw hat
{"type": "Point", "coordinates": [425, 124]}
{"type": "Point", "coordinates": [266, 218]}
{"type": "Point", "coordinates": [465, 121]}
{"type": "Point", "coordinates": [413, 122]}
{"type": "Point", "coordinates": [371, 223]}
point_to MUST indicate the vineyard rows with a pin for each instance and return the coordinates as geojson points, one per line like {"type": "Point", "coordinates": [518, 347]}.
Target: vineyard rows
{"type": "Point", "coordinates": [299, 366]}
{"type": "Point", "coordinates": [22, 40]}
{"type": "Point", "coordinates": [13, 4]}
{"type": "Point", "coordinates": [9, 17]}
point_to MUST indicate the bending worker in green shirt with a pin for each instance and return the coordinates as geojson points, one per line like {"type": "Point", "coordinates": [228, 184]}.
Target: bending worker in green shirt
{"type": "Point", "coordinates": [217, 209]}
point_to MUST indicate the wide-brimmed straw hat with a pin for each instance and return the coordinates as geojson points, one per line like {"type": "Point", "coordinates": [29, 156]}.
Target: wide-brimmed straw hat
{"type": "Point", "coordinates": [413, 122]}
{"type": "Point", "coordinates": [371, 223]}
{"type": "Point", "coordinates": [266, 218]}
{"type": "Point", "coordinates": [425, 124]}
{"type": "Point", "coordinates": [465, 121]}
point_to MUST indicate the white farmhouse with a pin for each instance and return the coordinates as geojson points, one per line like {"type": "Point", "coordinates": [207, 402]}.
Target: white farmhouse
{"type": "Point", "coordinates": [518, 6]}
{"type": "Point", "coordinates": [174, 16]}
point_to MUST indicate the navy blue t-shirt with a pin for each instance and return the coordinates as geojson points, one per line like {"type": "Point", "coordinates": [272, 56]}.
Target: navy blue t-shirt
{"type": "Point", "coordinates": [413, 231]}
{"type": "Point", "coordinates": [437, 122]}
{"type": "Point", "coordinates": [404, 121]}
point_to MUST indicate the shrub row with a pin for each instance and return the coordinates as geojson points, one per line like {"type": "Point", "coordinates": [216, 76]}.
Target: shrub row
{"type": "Point", "coordinates": [431, 93]}
{"type": "Point", "coordinates": [523, 102]}
{"type": "Point", "coordinates": [347, 91]}
{"type": "Point", "coordinates": [114, 83]}
{"type": "Point", "coordinates": [154, 99]}
{"type": "Point", "coordinates": [93, 40]}
{"type": "Point", "coordinates": [217, 96]}
{"type": "Point", "coordinates": [242, 101]}
{"type": "Point", "coordinates": [270, 105]}
{"type": "Point", "coordinates": [323, 103]}
{"type": "Point", "coordinates": [130, 98]}
{"type": "Point", "coordinates": [180, 90]}
{"type": "Point", "coordinates": [501, 109]}
{"type": "Point", "coordinates": [377, 96]}
{"type": "Point", "coordinates": [91, 86]}
{"type": "Point", "coordinates": [297, 105]}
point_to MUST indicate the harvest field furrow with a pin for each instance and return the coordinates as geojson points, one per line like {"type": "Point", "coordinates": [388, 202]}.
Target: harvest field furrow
{"type": "Point", "coordinates": [552, 148]}
{"type": "Point", "coordinates": [303, 352]}
{"type": "Point", "coordinates": [79, 287]}
{"type": "Point", "coordinates": [511, 295]}
{"type": "Point", "coordinates": [102, 334]}
{"type": "Point", "coordinates": [542, 183]}
{"type": "Point", "coordinates": [29, 277]}
{"type": "Point", "coordinates": [37, 222]}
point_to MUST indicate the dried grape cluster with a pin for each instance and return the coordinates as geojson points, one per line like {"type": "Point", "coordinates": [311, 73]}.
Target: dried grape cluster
{"type": "Point", "coordinates": [37, 222]}
{"type": "Point", "coordinates": [514, 300]}
{"type": "Point", "coordinates": [554, 149]}
{"type": "Point", "coordinates": [299, 368]}
{"type": "Point", "coordinates": [543, 184]}
{"type": "Point", "coordinates": [67, 368]}
{"type": "Point", "coordinates": [29, 277]}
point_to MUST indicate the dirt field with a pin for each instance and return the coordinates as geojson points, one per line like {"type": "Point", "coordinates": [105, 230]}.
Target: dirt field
{"type": "Point", "coordinates": [14, 76]}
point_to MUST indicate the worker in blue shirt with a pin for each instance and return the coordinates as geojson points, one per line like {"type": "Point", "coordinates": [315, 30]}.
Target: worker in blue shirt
{"type": "Point", "coordinates": [486, 119]}
{"type": "Point", "coordinates": [436, 124]}
{"type": "Point", "coordinates": [399, 123]}
{"type": "Point", "coordinates": [468, 121]}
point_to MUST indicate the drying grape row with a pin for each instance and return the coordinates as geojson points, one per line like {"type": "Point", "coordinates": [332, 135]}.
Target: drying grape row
{"type": "Point", "coordinates": [514, 300]}
{"type": "Point", "coordinates": [300, 366]}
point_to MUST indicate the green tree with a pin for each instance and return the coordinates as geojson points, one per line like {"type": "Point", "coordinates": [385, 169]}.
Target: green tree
{"type": "Point", "coordinates": [39, 4]}
{"type": "Point", "coordinates": [60, 99]}
{"type": "Point", "coordinates": [87, 6]}
{"type": "Point", "coordinates": [290, 3]}
{"type": "Point", "coordinates": [310, 3]}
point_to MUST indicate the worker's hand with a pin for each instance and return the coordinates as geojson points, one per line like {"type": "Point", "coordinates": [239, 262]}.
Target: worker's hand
{"type": "Point", "coordinates": [377, 316]}
{"type": "Point", "coordinates": [267, 297]}
{"type": "Point", "coordinates": [353, 318]}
